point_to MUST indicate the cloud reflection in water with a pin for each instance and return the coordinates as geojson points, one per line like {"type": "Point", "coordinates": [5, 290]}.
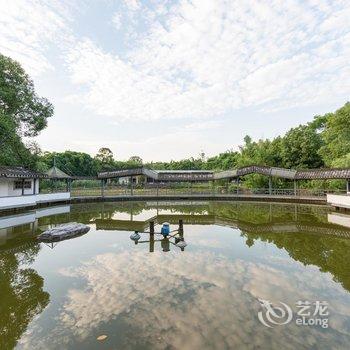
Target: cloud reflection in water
{"type": "Point", "coordinates": [197, 300]}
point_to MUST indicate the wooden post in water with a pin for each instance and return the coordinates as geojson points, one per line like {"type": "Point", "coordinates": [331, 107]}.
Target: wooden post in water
{"type": "Point", "coordinates": [132, 185]}
{"type": "Point", "coordinates": [295, 188]}
{"type": "Point", "coordinates": [151, 227]}
{"type": "Point", "coordinates": [151, 236]}
{"type": "Point", "coordinates": [181, 228]}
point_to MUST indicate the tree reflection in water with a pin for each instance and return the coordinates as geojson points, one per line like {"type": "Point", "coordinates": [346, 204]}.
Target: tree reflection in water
{"type": "Point", "coordinates": [21, 290]}
{"type": "Point", "coordinates": [303, 232]}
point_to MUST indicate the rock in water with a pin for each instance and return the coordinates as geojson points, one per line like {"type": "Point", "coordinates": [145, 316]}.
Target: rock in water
{"type": "Point", "coordinates": [64, 231]}
{"type": "Point", "coordinates": [135, 236]}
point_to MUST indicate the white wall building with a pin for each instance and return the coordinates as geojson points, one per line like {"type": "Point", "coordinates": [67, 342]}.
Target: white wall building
{"type": "Point", "coordinates": [19, 187]}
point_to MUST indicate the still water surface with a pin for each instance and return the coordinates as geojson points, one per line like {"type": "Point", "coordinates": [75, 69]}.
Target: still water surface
{"type": "Point", "coordinates": [64, 296]}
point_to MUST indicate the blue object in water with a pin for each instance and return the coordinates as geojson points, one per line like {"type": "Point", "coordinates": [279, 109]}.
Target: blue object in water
{"type": "Point", "coordinates": [165, 229]}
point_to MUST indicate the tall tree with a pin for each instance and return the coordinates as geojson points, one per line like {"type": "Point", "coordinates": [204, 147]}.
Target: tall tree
{"type": "Point", "coordinates": [72, 163]}
{"type": "Point", "coordinates": [105, 155]}
{"type": "Point", "coordinates": [136, 160]}
{"type": "Point", "coordinates": [300, 148]}
{"type": "Point", "coordinates": [18, 100]}
{"type": "Point", "coordinates": [336, 134]}
{"type": "Point", "coordinates": [22, 113]}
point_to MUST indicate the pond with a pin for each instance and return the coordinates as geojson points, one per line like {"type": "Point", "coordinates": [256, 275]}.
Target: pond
{"type": "Point", "coordinates": [252, 276]}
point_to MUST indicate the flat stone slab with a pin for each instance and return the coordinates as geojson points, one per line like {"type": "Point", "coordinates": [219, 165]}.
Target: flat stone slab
{"type": "Point", "coordinates": [64, 231]}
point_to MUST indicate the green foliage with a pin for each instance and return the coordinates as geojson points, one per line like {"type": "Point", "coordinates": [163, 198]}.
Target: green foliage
{"type": "Point", "coordinates": [336, 134]}
{"type": "Point", "coordinates": [300, 148]}
{"type": "Point", "coordinates": [136, 160]}
{"type": "Point", "coordinates": [342, 162]}
{"type": "Point", "coordinates": [18, 99]}
{"type": "Point", "coordinates": [22, 113]}
{"type": "Point", "coordinates": [105, 155]}
{"type": "Point", "coordinates": [262, 152]}
{"type": "Point", "coordinates": [72, 163]}
{"type": "Point", "coordinates": [184, 164]}
{"type": "Point", "coordinates": [12, 149]}
{"type": "Point", "coordinates": [223, 161]}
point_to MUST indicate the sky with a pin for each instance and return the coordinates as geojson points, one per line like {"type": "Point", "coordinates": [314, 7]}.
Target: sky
{"type": "Point", "coordinates": [168, 79]}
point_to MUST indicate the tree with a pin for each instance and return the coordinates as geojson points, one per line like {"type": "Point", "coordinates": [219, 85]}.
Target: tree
{"type": "Point", "coordinates": [336, 134]}
{"type": "Point", "coordinates": [18, 100]}
{"type": "Point", "coordinates": [22, 289]}
{"type": "Point", "coordinates": [12, 149]}
{"type": "Point", "coordinates": [105, 155]}
{"type": "Point", "coordinates": [136, 160]}
{"type": "Point", "coordinates": [22, 113]}
{"type": "Point", "coordinates": [300, 148]}
{"type": "Point", "coordinates": [72, 163]}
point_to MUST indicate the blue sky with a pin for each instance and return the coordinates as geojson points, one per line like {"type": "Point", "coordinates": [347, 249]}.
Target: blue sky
{"type": "Point", "coordinates": [167, 79]}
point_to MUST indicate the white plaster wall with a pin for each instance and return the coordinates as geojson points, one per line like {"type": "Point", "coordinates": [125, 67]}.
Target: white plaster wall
{"type": "Point", "coordinates": [49, 197]}
{"type": "Point", "coordinates": [4, 190]}
{"type": "Point", "coordinates": [14, 202]}
{"type": "Point", "coordinates": [342, 201]}
{"type": "Point", "coordinates": [11, 198]}
{"type": "Point", "coordinates": [12, 192]}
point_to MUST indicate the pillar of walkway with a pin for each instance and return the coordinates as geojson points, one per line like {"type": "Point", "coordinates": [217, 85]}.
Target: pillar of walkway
{"type": "Point", "coordinates": [270, 185]}
{"type": "Point", "coordinates": [102, 188]}
{"type": "Point", "coordinates": [348, 185]}
{"type": "Point", "coordinates": [295, 188]}
{"type": "Point", "coordinates": [34, 185]}
{"type": "Point", "coordinates": [212, 185]}
{"type": "Point", "coordinates": [132, 185]}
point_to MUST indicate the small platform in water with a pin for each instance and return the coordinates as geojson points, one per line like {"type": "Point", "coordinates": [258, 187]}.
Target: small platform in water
{"type": "Point", "coordinates": [62, 232]}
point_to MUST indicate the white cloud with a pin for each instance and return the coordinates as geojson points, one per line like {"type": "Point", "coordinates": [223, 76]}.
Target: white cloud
{"type": "Point", "coordinates": [185, 60]}
{"type": "Point", "coordinates": [132, 5]}
{"type": "Point", "coordinates": [117, 20]}
{"type": "Point", "coordinates": [201, 59]}
{"type": "Point", "coordinates": [28, 29]}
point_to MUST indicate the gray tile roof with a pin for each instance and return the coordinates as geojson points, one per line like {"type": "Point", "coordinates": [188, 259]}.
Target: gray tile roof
{"type": "Point", "coordinates": [56, 173]}
{"type": "Point", "coordinates": [19, 172]}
